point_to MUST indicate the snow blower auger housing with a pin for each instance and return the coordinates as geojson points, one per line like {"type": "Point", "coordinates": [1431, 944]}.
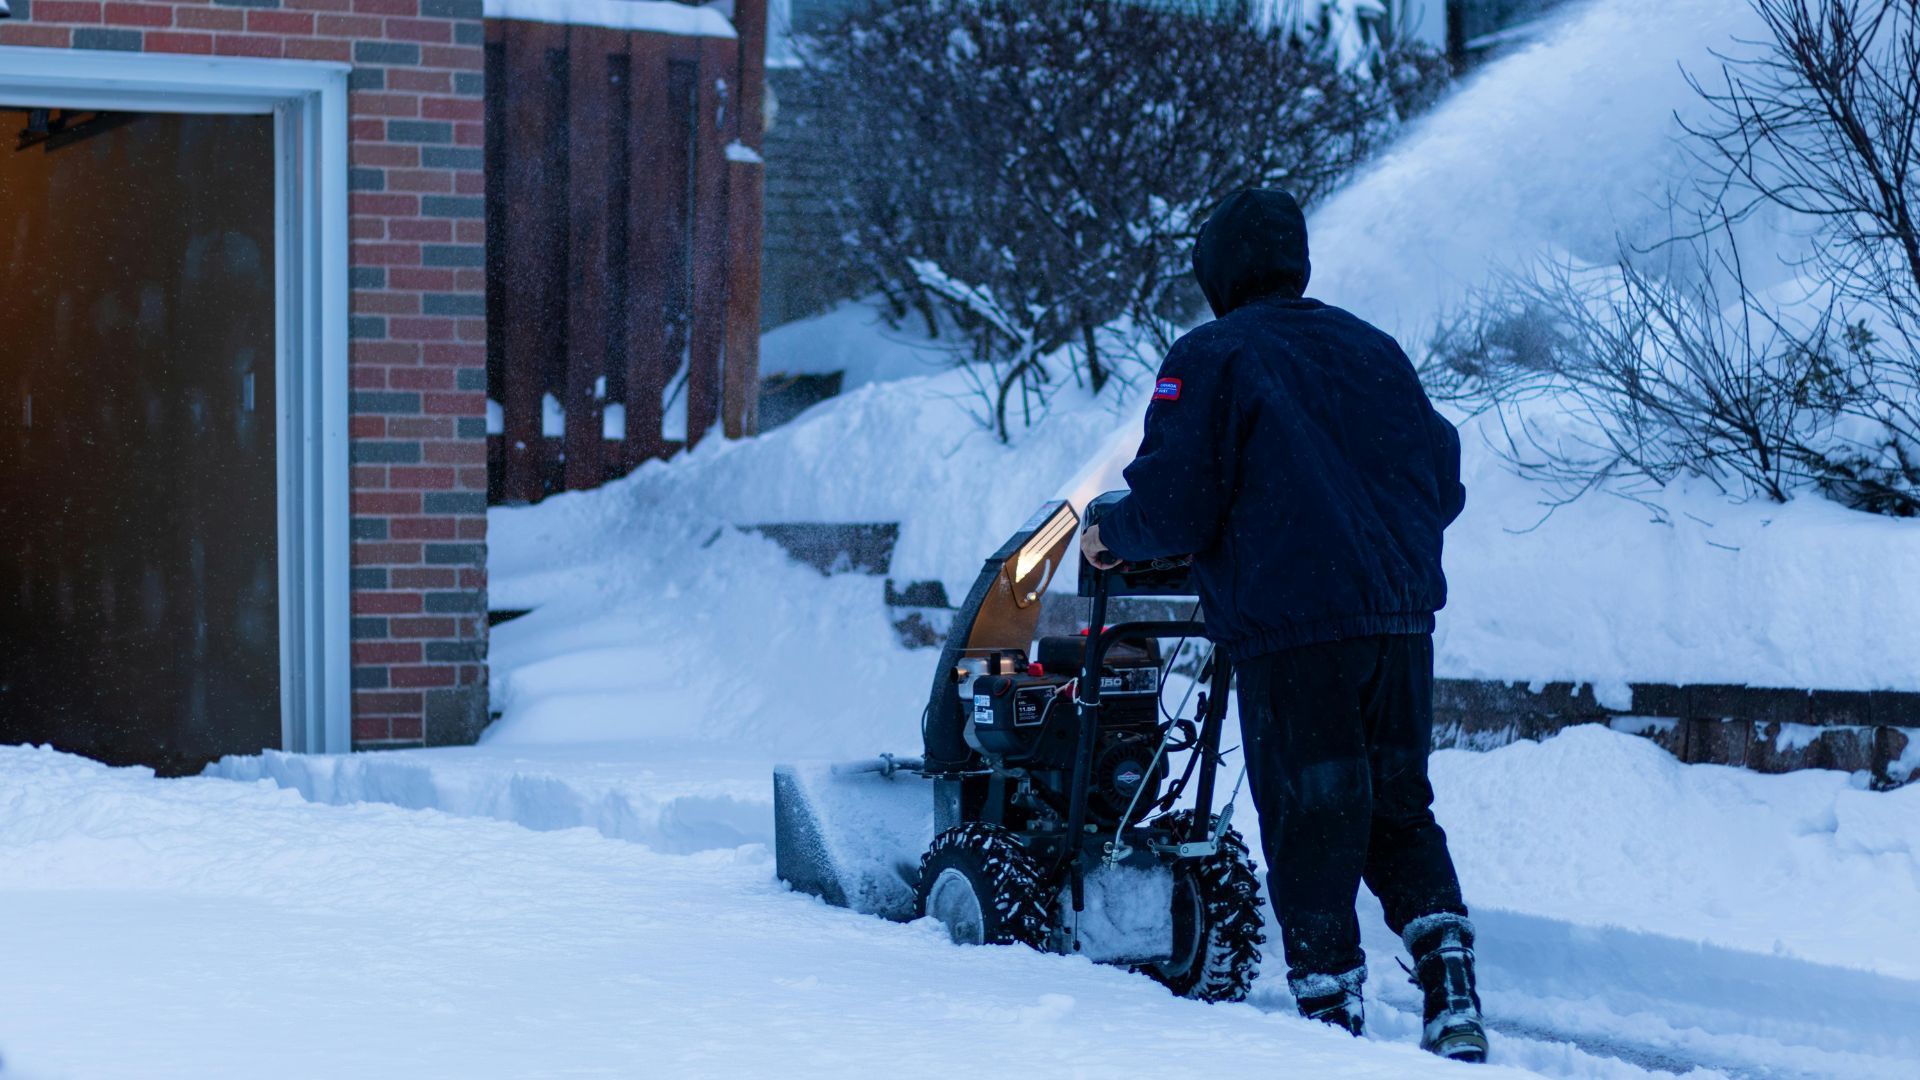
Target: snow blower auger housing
{"type": "Point", "coordinates": [1046, 809]}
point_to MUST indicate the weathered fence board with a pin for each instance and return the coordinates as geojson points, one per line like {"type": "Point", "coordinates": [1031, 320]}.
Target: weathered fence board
{"type": "Point", "coordinates": [623, 245]}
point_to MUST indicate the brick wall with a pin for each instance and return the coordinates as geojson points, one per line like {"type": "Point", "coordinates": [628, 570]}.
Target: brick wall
{"type": "Point", "coordinates": [418, 319]}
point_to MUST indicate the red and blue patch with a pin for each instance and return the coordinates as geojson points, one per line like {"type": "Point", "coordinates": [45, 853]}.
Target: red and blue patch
{"type": "Point", "coordinates": [1166, 390]}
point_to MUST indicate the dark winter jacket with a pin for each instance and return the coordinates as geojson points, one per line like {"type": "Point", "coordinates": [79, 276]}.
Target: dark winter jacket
{"type": "Point", "coordinates": [1291, 449]}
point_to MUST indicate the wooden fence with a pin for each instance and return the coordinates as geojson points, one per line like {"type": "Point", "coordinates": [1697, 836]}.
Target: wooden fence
{"type": "Point", "coordinates": [623, 238]}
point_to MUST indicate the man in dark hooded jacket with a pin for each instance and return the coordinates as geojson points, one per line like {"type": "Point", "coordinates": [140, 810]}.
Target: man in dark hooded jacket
{"type": "Point", "coordinates": [1291, 450]}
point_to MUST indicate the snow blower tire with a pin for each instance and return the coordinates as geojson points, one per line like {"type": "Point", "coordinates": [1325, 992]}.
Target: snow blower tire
{"type": "Point", "coordinates": [983, 886]}
{"type": "Point", "coordinates": [1216, 921]}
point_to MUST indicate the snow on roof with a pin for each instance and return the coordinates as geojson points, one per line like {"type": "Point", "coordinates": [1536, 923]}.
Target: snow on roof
{"type": "Point", "coordinates": [659, 16]}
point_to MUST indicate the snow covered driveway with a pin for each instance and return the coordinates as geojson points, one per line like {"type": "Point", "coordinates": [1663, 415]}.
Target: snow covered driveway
{"type": "Point", "coordinates": [208, 928]}
{"type": "Point", "coordinates": [205, 928]}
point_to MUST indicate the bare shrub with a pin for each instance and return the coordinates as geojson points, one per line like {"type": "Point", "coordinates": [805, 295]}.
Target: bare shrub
{"type": "Point", "coordinates": [1020, 175]}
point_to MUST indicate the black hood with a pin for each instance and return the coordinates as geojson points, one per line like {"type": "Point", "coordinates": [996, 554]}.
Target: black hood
{"type": "Point", "coordinates": [1253, 245]}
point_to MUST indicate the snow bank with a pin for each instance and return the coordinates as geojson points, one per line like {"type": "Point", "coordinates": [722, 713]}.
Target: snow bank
{"type": "Point", "coordinates": [855, 340]}
{"type": "Point", "coordinates": [907, 451]}
{"type": "Point", "coordinates": [674, 804]}
{"type": "Point", "coordinates": [1597, 828]}
{"type": "Point", "coordinates": [658, 16]}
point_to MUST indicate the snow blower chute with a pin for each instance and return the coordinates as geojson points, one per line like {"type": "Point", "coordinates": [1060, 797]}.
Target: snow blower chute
{"type": "Point", "coordinates": [1045, 808]}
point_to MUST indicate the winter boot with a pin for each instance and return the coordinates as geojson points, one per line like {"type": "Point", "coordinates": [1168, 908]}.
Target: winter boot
{"type": "Point", "coordinates": [1332, 999]}
{"type": "Point", "coordinates": [1442, 948]}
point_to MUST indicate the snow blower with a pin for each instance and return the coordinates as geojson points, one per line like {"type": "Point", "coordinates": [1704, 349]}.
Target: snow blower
{"type": "Point", "coordinates": [1045, 808]}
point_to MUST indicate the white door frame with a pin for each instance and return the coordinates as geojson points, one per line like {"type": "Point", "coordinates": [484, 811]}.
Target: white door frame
{"type": "Point", "coordinates": [308, 103]}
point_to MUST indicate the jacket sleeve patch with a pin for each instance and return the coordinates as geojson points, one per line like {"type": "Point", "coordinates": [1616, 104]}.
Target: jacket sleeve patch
{"type": "Point", "coordinates": [1166, 390]}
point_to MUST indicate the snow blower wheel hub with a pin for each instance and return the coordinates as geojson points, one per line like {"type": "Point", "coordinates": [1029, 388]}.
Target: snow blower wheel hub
{"type": "Point", "coordinates": [953, 903]}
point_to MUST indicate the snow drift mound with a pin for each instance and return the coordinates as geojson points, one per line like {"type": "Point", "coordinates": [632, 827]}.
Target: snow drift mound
{"type": "Point", "coordinates": [1602, 829]}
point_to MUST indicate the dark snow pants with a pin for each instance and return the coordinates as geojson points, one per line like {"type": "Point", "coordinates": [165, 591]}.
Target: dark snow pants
{"type": "Point", "coordinates": [1336, 737]}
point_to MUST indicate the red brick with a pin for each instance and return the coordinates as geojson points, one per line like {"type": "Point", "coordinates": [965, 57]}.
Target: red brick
{"type": "Point", "coordinates": [408, 727]}
{"type": "Point", "coordinates": [422, 329]}
{"type": "Point", "coordinates": [453, 108]}
{"type": "Point", "coordinates": [340, 52]}
{"type": "Point", "coordinates": [472, 480]}
{"type": "Point", "coordinates": [438, 181]}
{"type": "Point", "coordinates": [421, 378]}
{"type": "Point", "coordinates": [368, 228]}
{"type": "Point", "coordinates": [386, 702]}
{"type": "Point", "coordinates": [284, 23]}
{"type": "Point", "coordinates": [386, 603]}
{"type": "Point", "coordinates": [423, 577]}
{"type": "Point", "coordinates": [470, 183]}
{"type": "Point", "coordinates": [380, 503]}
{"type": "Point", "coordinates": [68, 11]}
{"type": "Point", "coordinates": [369, 476]}
{"type": "Point", "coordinates": [472, 329]}
{"type": "Point", "coordinates": [462, 452]}
{"type": "Point", "coordinates": [372, 104]}
{"type": "Point", "coordinates": [456, 57]}
{"type": "Point", "coordinates": [432, 31]}
{"type": "Point", "coordinates": [405, 8]}
{"type": "Point", "coordinates": [368, 129]}
{"type": "Point", "coordinates": [385, 155]}
{"type": "Point", "coordinates": [370, 728]}
{"type": "Point", "coordinates": [422, 478]}
{"type": "Point", "coordinates": [421, 676]}
{"type": "Point", "coordinates": [387, 652]}
{"type": "Point", "coordinates": [426, 279]}
{"type": "Point", "coordinates": [472, 280]}
{"type": "Point", "coordinates": [386, 303]}
{"type": "Point", "coordinates": [454, 355]}
{"type": "Point", "coordinates": [194, 18]}
{"type": "Point", "coordinates": [470, 134]}
{"type": "Point", "coordinates": [247, 45]}
{"type": "Point", "coordinates": [160, 41]}
{"type": "Point", "coordinates": [420, 427]}
{"type": "Point", "coordinates": [367, 427]}
{"type": "Point", "coordinates": [385, 254]}
{"type": "Point", "coordinates": [367, 378]}
{"type": "Point", "coordinates": [372, 554]}
{"type": "Point", "coordinates": [420, 628]}
{"type": "Point", "coordinates": [147, 15]}
{"type": "Point", "coordinates": [46, 37]}
{"type": "Point", "coordinates": [454, 404]}
{"type": "Point", "coordinates": [469, 231]}
{"type": "Point", "coordinates": [474, 577]}
{"type": "Point", "coordinates": [347, 26]}
{"type": "Point", "coordinates": [422, 528]}
{"type": "Point", "coordinates": [472, 675]}
{"type": "Point", "coordinates": [429, 230]}
{"type": "Point", "coordinates": [317, 5]}
{"type": "Point", "coordinates": [387, 353]}
{"type": "Point", "coordinates": [424, 82]}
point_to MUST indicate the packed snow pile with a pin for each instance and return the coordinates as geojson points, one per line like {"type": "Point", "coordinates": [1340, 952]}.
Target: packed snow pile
{"type": "Point", "coordinates": [1598, 828]}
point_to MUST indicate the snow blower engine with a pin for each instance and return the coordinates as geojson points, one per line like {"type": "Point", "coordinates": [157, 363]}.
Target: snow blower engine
{"type": "Point", "coordinates": [1062, 800]}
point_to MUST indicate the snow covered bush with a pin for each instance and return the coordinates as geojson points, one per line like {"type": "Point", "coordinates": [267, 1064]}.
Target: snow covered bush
{"type": "Point", "coordinates": [1673, 361]}
{"type": "Point", "coordinates": [1627, 375]}
{"type": "Point", "coordinates": [1022, 175]}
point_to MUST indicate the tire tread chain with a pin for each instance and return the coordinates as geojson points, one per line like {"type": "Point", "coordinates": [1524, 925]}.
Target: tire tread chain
{"type": "Point", "coordinates": [1018, 899]}
{"type": "Point", "coordinates": [1229, 887]}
